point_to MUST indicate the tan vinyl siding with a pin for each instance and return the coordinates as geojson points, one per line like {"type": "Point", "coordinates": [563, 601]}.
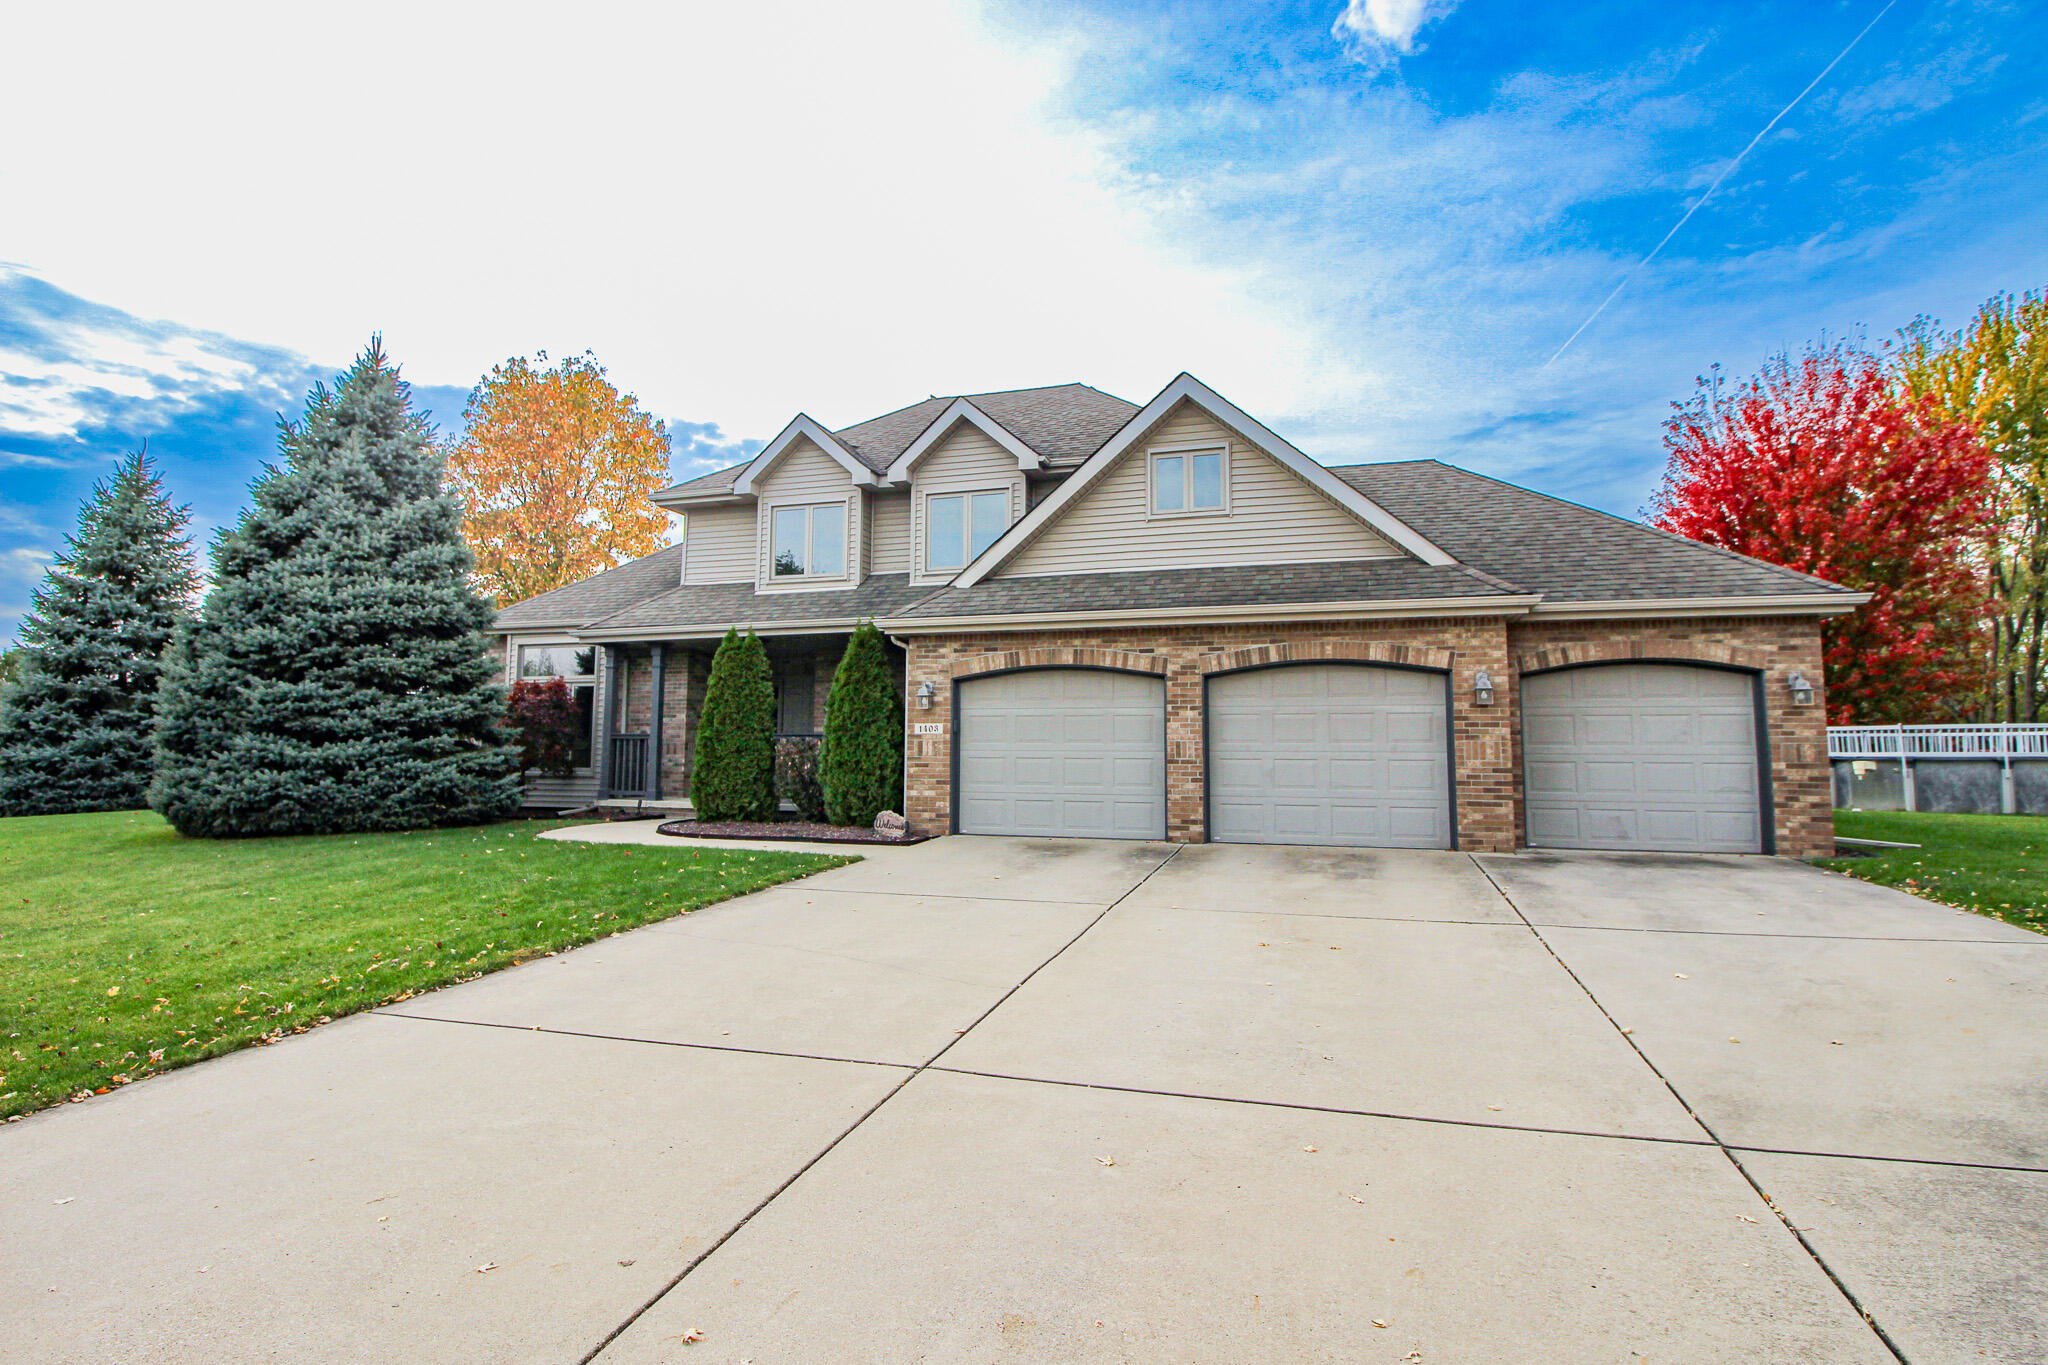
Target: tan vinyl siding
{"type": "Point", "coordinates": [965, 461]}
{"type": "Point", "coordinates": [718, 545]}
{"type": "Point", "coordinates": [1273, 517]}
{"type": "Point", "coordinates": [805, 474]}
{"type": "Point", "coordinates": [889, 532]}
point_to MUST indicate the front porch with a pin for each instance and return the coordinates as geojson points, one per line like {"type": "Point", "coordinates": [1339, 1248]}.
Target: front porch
{"type": "Point", "coordinates": [651, 698]}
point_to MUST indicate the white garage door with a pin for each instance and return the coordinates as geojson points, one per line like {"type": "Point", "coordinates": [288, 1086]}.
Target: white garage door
{"type": "Point", "coordinates": [1329, 754]}
{"type": "Point", "coordinates": [1062, 751]}
{"type": "Point", "coordinates": [1643, 756]}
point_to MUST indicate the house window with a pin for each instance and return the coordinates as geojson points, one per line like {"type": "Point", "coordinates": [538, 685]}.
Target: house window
{"type": "Point", "coordinates": [557, 661]}
{"type": "Point", "coordinates": [809, 542]}
{"type": "Point", "coordinates": [959, 526]}
{"type": "Point", "coordinates": [578, 668]}
{"type": "Point", "coordinates": [1188, 481]}
{"type": "Point", "coordinates": [796, 690]}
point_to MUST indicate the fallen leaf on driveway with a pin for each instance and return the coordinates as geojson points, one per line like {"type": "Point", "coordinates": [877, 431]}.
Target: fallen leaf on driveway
{"type": "Point", "coordinates": [691, 1337]}
{"type": "Point", "coordinates": [1354, 1199]}
{"type": "Point", "coordinates": [65, 1200]}
{"type": "Point", "coordinates": [1377, 1323]}
{"type": "Point", "coordinates": [487, 1265]}
{"type": "Point", "coordinates": [1745, 1218]}
{"type": "Point", "coordinates": [1105, 1161]}
{"type": "Point", "coordinates": [1681, 976]}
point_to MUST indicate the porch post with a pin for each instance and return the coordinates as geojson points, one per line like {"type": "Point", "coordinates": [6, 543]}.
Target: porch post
{"type": "Point", "coordinates": [654, 726]}
{"type": "Point", "coordinates": [601, 735]}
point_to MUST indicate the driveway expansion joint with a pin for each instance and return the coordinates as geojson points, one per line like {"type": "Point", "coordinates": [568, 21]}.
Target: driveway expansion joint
{"type": "Point", "coordinates": [1301, 1107]}
{"type": "Point", "coordinates": [872, 1110]}
{"type": "Point", "coordinates": [1784, 1220]}
{"type": "Point", "coordinates": [646, 1042]}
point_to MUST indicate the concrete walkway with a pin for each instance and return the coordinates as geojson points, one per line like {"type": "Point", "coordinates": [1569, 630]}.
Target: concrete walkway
{"type": "Point", "coordinates": [993, 1099]}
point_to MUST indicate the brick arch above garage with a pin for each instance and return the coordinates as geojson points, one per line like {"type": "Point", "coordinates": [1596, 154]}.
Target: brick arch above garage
{"type": "Point", "coordinates": [1328, 651]}
{"type": "Point", "coordinates": [1060, 657]}
{"type": "Point", "coordinates": [1648, 649]}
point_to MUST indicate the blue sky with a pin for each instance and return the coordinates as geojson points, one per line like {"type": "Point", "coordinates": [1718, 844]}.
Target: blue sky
{"type": "Point", "coordinates": [1372, 225]}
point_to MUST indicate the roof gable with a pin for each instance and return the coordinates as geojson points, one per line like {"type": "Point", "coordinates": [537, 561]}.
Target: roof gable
{"type": "Point", "coordinates": [962, 410]}
{"type": "Point", "coordinates": [799, 428]}
{"type": "Point", "coordinates": [1186, 388]}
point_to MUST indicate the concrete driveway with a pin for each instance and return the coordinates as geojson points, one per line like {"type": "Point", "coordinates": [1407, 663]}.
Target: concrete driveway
{"type": "Point", "coordinates": [996, 1099]}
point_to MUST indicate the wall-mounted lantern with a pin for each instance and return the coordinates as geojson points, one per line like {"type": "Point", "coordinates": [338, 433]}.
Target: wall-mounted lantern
{"type": "Point", "coordinates": [1482, 688]}
{"type": "Point", "coordinates": [925, 693]}
{"type": "Point", "coordinates": [1802, 688]}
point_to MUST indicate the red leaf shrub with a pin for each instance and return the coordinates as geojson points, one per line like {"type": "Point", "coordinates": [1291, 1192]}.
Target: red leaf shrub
{"type": "Point", "coordinates": [544, 718]}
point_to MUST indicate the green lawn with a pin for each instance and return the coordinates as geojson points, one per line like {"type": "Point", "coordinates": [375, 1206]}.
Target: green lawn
{"type": "Point", "coordinates": [1996, 865]}
{"type": "Point", "coordinates": [126, 950]}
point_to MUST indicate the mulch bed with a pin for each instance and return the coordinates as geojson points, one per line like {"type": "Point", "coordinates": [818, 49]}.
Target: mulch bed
{"type": "Point", "coordinates": [804, 831]}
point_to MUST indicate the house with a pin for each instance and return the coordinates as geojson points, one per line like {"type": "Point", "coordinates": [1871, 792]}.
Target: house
{"type": "Point", "coordinates": [1164, 621]}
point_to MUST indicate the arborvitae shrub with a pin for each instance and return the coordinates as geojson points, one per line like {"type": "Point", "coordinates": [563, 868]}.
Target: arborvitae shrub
{"type": "Point", "coordinates": [861, 766]}
{"type": "Point", "coordinates": [733, 774]}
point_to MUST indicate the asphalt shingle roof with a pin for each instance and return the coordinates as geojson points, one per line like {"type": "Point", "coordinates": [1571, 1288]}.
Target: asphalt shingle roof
{"type": "Point", "coordinates": [1507, 540]}
{"type": "Point", "coordinates": [599, 595]}
{"type": "Point", "coordinates": [1567, 552]}
{"type": "Point", "coordinates": [715, 606]}
{"type": "Point", "coordinates": [1381, 580]}
{"type": "Point", "coordinates": [1065, 423]}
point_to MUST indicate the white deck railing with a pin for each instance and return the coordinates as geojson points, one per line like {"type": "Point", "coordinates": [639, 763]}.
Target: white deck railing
{"type": "Point", "coordinates": [2003, 742]}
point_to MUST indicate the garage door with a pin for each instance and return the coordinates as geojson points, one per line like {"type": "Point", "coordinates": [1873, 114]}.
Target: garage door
{"type": "Point", "coordinates": [1645, 756]}
{"type": "Point", "coordinates": [1063, 751]}
{"type": "Point", "coordinates": [1329, 754]}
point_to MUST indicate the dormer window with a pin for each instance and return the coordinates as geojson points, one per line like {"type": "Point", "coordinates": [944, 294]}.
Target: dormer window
{"type": "Point", "coordinates": [1188, 481]}
{"type": "Point", "coordinates": [809, 542]}
{"type": "Point", "coordinates": [959, 526]}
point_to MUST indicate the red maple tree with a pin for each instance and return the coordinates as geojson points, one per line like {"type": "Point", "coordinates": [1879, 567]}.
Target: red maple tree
{"type": "Point", "coordinates": [1824, 465]}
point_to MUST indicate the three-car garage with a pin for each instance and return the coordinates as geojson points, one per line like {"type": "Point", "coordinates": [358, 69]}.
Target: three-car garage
{"type": "Point", "coordinates": [1642, 755]}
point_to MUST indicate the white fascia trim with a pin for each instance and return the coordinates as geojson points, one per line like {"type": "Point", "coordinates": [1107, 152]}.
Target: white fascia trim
{"type": "Point", "coordinates": [1517, 605]}
{"type": "Point", "coordinates": [1803, 604]}
{"type": "Point", "coordinates": [714, 632]}
{"type": "Point", "coordinates": [962, 411]}
{"type": "Point", "coordinates": [802, 425]}
{"type": "Point", "coordinates": [1189, 387]}
{"type": "Point", "coordinates": [689, 503]}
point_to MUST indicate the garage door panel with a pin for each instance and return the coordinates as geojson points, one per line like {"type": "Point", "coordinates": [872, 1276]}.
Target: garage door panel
{"type": "Point", "coordinates": [1076, 752]}
{"type": "Point", "coordinates": [1329, 754]}
{"type": "Point", "coordinates": [1641, 756]}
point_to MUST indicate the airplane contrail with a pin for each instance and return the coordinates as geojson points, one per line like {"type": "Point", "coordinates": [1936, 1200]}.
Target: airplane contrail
{"type": "Point", "coordinates": [1725, 172]}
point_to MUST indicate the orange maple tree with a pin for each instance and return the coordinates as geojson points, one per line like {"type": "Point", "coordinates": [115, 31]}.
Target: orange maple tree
{"type": "Point", "coordinates": [555, 466]}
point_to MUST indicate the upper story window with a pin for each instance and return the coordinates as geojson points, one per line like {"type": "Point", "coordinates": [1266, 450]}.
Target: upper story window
{"type": "Point", "coordinates": [809, 542]}
{"type": "Point", "coordinates": [959, 526]}
{"type": "Point", "coordinates": [1188, 480]}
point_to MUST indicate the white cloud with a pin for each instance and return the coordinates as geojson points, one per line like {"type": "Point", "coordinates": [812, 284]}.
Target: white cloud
{"type": "Point", "coordinates": [743, 210]}
{"type": "Point", "coordinates": [1377, 31]}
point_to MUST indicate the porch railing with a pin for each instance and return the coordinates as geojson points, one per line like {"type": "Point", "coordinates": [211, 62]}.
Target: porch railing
{"type": "Point", "coordinates": [626, 770]}
{"type": "Point", "coordinates": [1938, 741]}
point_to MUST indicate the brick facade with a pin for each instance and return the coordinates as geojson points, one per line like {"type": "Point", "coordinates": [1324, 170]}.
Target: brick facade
{"type": "Point", "coordinates": [1488, 770]}
{"type": "Point", "coordinates": [1184, 656]}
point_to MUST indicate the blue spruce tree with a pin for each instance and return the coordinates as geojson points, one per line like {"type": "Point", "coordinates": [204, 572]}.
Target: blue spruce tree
{"type": "Point", "coordinates": [338, 676]}
{"type": "Point", "coordinates": [77, 711]}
